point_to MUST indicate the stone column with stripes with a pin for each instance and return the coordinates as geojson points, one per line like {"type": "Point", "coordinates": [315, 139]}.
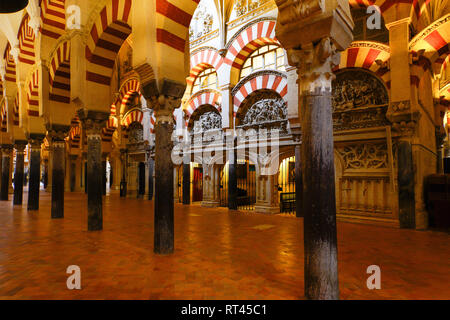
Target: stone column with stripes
{"type": "Point", "coordinates": [312, 39]}
{"type": "Point", "coordinates": [56, 135]}
{"type": "Point", "coordinates": [93, 122]}
{"type": "Point", "coordinates": [164, 97]}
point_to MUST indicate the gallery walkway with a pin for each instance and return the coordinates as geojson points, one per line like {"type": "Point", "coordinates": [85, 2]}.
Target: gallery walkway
{"type": "Point", "coordinates": [218, 255]}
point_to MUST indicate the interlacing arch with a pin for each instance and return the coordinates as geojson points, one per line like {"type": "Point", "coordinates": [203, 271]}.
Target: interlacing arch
{"type": "Point", "coordinates": [10, 65]}
{"type": "Point", "coordinates": [134, 115]}
{"type": "Point", "coordinates": [368, 55]}
{"type": "Point", "coordinates": [26, 38]}
{"type": "Point", "coordinates": [16, 110]}
{"type": "Point", "coordinates": [53, 15]}
{"type": "Point", "coordinates": [271, 80]}
{"type": "Point", "coordinates": [128, 88]}
{"type": "Point", "coordinates": [108, 131]}
{"type": "Point", "coordinates": [105, 39]}
{"type": "Point", "coordinates": [201, 60]}
{"type": "Point", "coordinates": [33, 94]}
{"type": "Point", "coordinates": [60, 74]}
{"type": "Point", "coordinates": [3, 116]}
{"type": "Point", "coordinates": [209, 96]}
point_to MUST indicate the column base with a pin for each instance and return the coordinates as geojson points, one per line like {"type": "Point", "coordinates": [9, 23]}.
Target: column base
{"type": "Point", "coordinates": [421, 219]}
{"type": "Point", "coordinates": [210, 204]}
{"type": "Point", "coordinates": [261, 208]}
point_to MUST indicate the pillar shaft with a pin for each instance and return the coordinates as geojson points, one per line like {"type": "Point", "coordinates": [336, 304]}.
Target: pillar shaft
{"type": "Point", "coordinates": [35, 173]}
{"type": "Point", "coordinates": [186, 183]}
{"type": "Point", "coordinates": [319, 204]}
{"type": "Point", "coordinates": [164, 220]}
{"type": "Point", "coordinates": [93, 123]}
{"type": "Point", "coordinates": [232, 181]}
{"type": "Point", "coordinates": [94, 182]}
{"type": "Point", "coordinates": [151, 168]}
{"type": "Point", "coordinates": [18, 175]}
{"type": "Point", "coordinates": [406, 195]}
{"type": "Point", "coordinates": [6, 165]}
{"type": "Point", "coordinates": [298, 181]}
{"type": "Point", "coordinates": [58, 160]}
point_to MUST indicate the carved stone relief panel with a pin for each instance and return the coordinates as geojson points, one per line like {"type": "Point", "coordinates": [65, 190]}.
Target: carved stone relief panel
{"type": "Point", "coordinates": [209, 120]}
{"type": "Point", "coordinates": [136, 134]}
{"type": "Point", "coordinates": [364, 156]}
{"type": "Point", "coordinates": [357, 89]}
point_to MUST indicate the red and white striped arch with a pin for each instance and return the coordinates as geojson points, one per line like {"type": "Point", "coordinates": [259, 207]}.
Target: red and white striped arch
{"type": "Point", "coordinates": [365, 54]}
{"type": "Point", "coordinates": [172, 22]}
{"type": "Point", "coordinates": [128, 88]}
{"type": "Point", "coordinates": [434, 41]}
{"type": "Point", "coordinates": [33, 95]}
{"type": "Point", "coordinates": [16, 110]}
{"type": "Point", "coordinates": [152, 123]}
{"type": "Point", "coordinates": [10, 65]}
{"type": "Point", "coordinates": [111, 126]}
{"type": "Point", "coordinates": [270, 81]}
{"type": "Point", "coordinates": [252, 38]}
{"type": "Point", "coordinates": [211, 97]}
{"type": "Point", "coordinates": [75, 135]}
{"type": "Point", "coordinates": [202, 60]}
{"type": "Point", "coordinates": [26, 38]}
{"type": "Point", "coordinates": [105, 39]}
{"type": "Point", "coordinates": [60, 74]}
{"type": "Point", "coordinates": [134, 115]}
{"type": "Point", "coordinates": [3, 117]}
{"type": "Point", "coordinates": [53, 15]}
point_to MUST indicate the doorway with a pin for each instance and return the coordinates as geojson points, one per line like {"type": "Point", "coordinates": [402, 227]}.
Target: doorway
{"type": "Point", "coordinates": [197, 194]}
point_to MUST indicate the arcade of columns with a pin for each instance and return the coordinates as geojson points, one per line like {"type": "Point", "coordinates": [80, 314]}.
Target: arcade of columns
{"type": "Point", "coordinates": [53, 76]}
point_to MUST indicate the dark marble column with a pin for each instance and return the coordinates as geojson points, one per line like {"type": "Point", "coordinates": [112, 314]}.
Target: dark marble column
{"type": "Point", "coordinates": [18, 173]}
{"type": "Point", "coordinates": [73, 172]}
{"type": "Point", "coordinates": [151, 170]}
{"type": "Point", "coordinates": [164, 216]}
{"type": "Point", "coordinates": [317, 169]}
{"type": "Point", "coordinates": [93, 123]}
{"type": "Point", "coordinates": [56, 135]}
{"type": "Point", "coordinates": [123, 180]}
{"type": "Point", "coordinates": [6, 165]}
{"type": "Point", "coordinates": [298, 179]}
{"type": "Point", "coordinates": [232, 179]}
{"type": "Point", "coordinates": [164, 95]}
{"type": "Point", "coordinates": [406, 195]}
{"type": "Point", "coordinates": [186, 183]}
{"type": "Point", "coordinates": [34, 172]}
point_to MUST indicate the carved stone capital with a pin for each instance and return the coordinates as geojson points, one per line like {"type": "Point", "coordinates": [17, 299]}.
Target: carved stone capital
{"type": "Point", "coordinates": [315, 63]}
{"type": "Point", "coordinates": [6, 149]}
{"type": "Point", "coordinates": [20, 145]}
{"type": "Point", "coordinates": [308, 21]}
{"type": "Point", "coordinates": [164, 97]}
{"type": "Point", "coordinates": [93, 122]}
{"type": "Point", "coordinates": [57, 132]}
{"type": "Point", "coordinates": [405, 124]}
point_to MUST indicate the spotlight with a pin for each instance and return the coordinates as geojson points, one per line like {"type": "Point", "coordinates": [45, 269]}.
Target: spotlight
{"type": "Point", "coordinates": [10, 6]}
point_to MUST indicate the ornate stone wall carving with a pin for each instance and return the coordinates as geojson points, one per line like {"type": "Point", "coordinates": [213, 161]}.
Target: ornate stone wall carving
{"type": "Point", "coordinates": [266, 110]}
{"type": "Point", "coordinates": [357, 89]}
{"type": "Point", "coordinates": [207, 121]}
{"type": "Point", "coordinates": [136, 134]}
{"type": "Point", "coordinates": [364, 156]}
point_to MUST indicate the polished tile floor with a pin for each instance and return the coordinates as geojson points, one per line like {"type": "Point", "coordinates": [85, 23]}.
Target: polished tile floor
{"type": "Point", "coordinates": [218, 255]}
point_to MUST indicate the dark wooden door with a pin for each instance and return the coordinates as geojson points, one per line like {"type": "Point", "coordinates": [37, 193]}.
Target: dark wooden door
{"type": "Point", "coordinates": [198, 185]}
